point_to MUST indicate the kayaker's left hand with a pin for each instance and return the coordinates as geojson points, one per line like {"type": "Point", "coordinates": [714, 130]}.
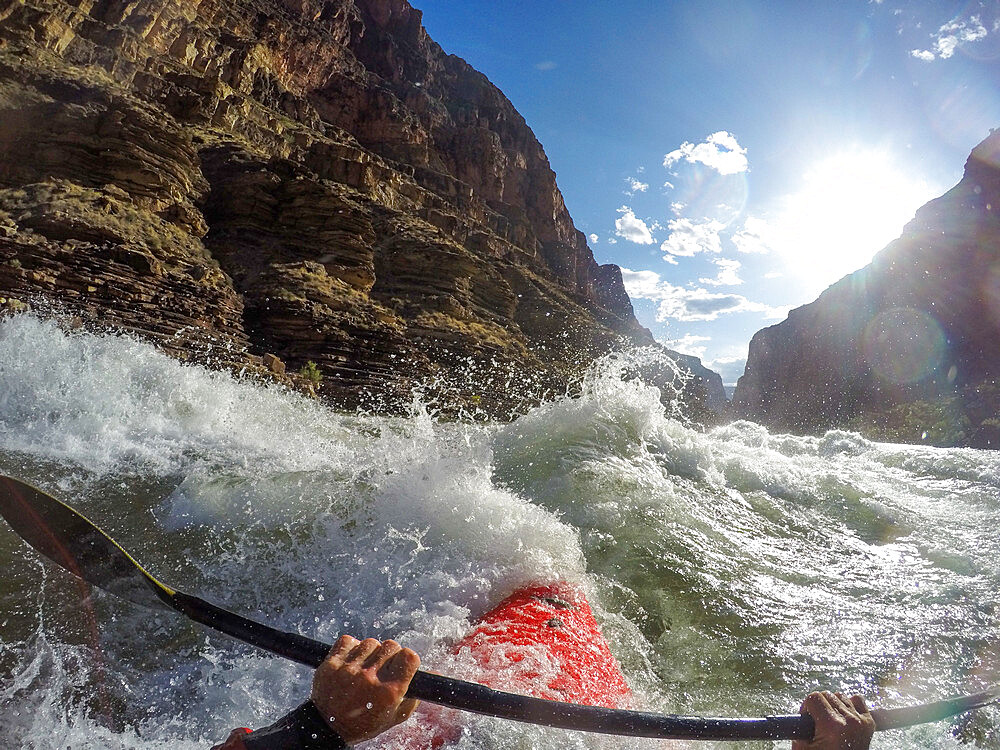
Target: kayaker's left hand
{"type": "Point", "coordinates": [360, 689]}
{"type": "Point", "coordinates": [842, 723]}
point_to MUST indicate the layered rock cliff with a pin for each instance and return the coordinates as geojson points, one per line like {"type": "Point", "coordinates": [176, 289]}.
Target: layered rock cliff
{"type": "Point", "coordinates": [311, 179]}
{"type": "Point", "coordinates": [907, 348]}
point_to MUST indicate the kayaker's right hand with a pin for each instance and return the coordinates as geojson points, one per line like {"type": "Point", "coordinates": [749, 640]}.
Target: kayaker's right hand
{"type": "Point", "coordinates": [841, 723]}
{"type": "Point", "coordinates": [360, 689]}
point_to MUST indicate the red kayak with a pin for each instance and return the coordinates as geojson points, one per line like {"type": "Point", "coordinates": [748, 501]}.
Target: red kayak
{"type": "Point", "coordinates": [542, 641]}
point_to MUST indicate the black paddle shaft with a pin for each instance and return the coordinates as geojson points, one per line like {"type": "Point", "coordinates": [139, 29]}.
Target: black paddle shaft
{"type": "Point", "coordinates": [476, 698]}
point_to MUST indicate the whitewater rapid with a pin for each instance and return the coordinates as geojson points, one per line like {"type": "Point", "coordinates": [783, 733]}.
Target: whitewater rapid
{"type": "Point", "coordinates": [732, 570]}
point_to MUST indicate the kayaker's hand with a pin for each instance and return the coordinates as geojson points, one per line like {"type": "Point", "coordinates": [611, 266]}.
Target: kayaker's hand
{"type": "Point", "coordinates": [841, 723]}
{"type": "Point", "coordinates": [360, 688]}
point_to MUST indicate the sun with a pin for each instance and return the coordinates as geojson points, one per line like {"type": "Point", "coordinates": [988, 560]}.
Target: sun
{"type": "Point", "coordinates": [848, 206]}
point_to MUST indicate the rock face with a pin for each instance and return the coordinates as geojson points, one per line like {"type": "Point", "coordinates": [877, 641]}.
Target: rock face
{"type": "Point", "coordinates": [912, 339]}
{"type": "Point", "coordinates": [313, 180]}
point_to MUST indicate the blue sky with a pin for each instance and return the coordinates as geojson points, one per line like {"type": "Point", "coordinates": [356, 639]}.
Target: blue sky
{"type": "Point", "coordinates": [738, 157]}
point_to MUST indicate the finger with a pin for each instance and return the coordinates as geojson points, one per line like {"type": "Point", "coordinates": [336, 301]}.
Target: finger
{"type": "Point", "coordinates": [404, 710]}
{"type": "Point", "coordinates": [385, 651]}
{"type": "Point", "coordinates": [844, 706]}
{"type": "Point", "coordinates": [818, 706]}
{"type": "Point", "coordinates": [859, 705]}
{"type": "Point", "coordinates": [362, 651]}
{"type": "Point", "coordinates": [343, 646]}
{"type": "Point", "coordinates": [400, 667]}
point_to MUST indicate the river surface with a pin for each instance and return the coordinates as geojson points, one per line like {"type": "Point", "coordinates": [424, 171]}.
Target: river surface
{"type": "Point", "coordinates": [732, 571]}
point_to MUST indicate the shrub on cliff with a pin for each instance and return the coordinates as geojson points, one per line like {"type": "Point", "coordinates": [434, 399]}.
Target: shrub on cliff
{"type": "Point", "coordinates": [311, 372]}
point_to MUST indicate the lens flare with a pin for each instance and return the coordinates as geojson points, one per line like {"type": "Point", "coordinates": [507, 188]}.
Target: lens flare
{"type": "Point", "coordinates": [702, 193]}
{"type": "Point", "coordinates": [903, 345]}
{"type": "Point", "coordinates": [848, 205]}
{"type": "Point", "coordinates": [962, 108]}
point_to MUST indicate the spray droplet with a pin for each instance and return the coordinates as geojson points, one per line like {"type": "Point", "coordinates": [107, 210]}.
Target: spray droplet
{"type": "Point", "coordinates": [368, 705]}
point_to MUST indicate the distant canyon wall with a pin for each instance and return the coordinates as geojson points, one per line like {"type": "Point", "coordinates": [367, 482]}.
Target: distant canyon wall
{"type": "Point", "coordinates": [262, 183]}
{"type": "Point", "coordinates": [907, 348]}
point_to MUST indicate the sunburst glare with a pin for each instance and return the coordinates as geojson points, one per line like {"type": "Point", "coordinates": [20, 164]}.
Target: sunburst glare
{"type": "Point", "coordinates": [849, 205]}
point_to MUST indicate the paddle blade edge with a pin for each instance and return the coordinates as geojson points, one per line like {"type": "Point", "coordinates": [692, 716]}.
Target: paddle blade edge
{"type": "Point", "coordinates": [77, 544]}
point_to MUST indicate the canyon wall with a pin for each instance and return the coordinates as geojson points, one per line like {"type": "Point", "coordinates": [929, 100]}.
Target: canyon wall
{"type": "Point", "coordinates": [267, 183]}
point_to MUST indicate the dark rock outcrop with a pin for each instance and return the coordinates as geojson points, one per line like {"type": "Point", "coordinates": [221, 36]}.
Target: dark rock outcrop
{"type": "Point", "coordinates": [307, 180]}
{"type": "Point", "coordinates": [908, 344]}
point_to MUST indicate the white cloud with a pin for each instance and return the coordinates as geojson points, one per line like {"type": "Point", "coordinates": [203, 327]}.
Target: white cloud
{"type": "Point", "coordinates": [690, 305]}
{"type": "Point", "coordinates": [720, 151]}
{"type": "Point", "coordinates": [728, 273]}
{"type": "Point", "coordinates": [954, 33]}
{"type": "Point", "coordinates": [668, 185]}
{"type": "Point", "coordinates": [950, 36]}
{"type": "Point", "coordinates": [628, 226]}
{"type": "Point", "coordinates": [641, 284]}
{"type": "Point", "coordinates": [688, 238]}
{"type": "Point", "coordinates": [612, 241]}
{"type": "Point", "coordinates": [634, 186]}
{"type": "Point", "coordinates": [773, 275]}
{"type": "Point", "coordinates": [730, 368]}
{"type": "Point", "coordinates": [689, 344]}
{"type": "Point", "coordinates": [677, 207]}
{"type": "Point", "coordinates": [728, 360]}
{"type": "Point", "coordinates": [754, 237]}
{"type": "Point", "coordinates": [594, 239]}
{"type": "Point", "coordinates": [546, 65]}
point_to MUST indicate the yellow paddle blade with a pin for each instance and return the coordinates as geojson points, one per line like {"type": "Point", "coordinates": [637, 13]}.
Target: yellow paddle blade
{"type": "Point", "coordinates": [71, 540]}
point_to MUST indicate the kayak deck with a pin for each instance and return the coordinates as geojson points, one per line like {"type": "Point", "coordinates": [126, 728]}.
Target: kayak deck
{"type": "Point", "coordinates": [543, 640]}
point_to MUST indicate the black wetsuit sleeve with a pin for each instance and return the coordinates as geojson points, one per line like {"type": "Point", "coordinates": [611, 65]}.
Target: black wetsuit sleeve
{"type": "Point", "coordinates": [302, 729]}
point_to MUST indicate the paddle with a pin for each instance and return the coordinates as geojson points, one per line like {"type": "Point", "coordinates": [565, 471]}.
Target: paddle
{"type": "Point", "coordinates": [68, 538]}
